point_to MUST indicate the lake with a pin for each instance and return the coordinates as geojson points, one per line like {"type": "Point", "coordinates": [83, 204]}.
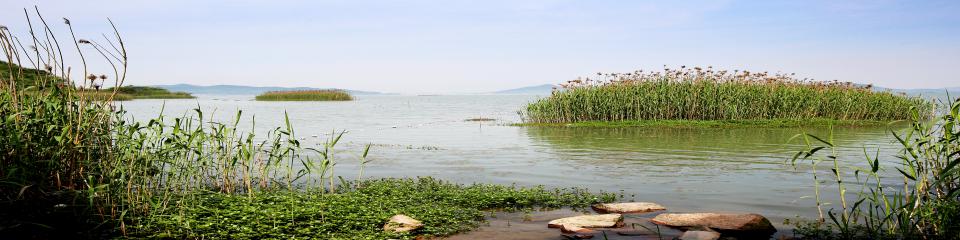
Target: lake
{"type": "Point", "coordinates": [708, 169]}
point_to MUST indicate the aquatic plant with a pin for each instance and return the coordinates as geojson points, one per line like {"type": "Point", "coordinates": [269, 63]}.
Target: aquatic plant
{"type": "Point", "coordinates": [306, 95]}
{"type": "Point", "coordinates": [925, 206]}
{"type": "Point", "coordinates": [708, 94]}
{"type": "Point", "coordinates": [445, 208]}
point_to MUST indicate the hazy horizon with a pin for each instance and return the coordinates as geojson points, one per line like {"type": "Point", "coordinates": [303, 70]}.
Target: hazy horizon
{"type": "Point", "coordinates": [467, 46]}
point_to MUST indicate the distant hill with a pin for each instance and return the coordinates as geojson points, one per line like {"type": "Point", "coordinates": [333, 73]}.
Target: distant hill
{"type": "Point", "coordinates": [244, 90]}
{"type": "Point", "coordinates": [933, 93]}
{"type": "Point", "coordinates": [544, 89]}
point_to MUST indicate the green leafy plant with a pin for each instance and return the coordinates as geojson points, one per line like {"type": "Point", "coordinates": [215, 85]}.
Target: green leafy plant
{"type": "Point", "coordinates": [925, 206]}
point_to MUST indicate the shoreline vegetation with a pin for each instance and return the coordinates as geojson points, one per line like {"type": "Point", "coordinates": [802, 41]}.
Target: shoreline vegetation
{"type": "Point", "coordinates": [773, 123]}
{"type": "Point", "coordinates": [73, 166]}
{"type": "Point", "coordinates": [306, 95]}
{"type": "Point", "coordinates": [144, 92]}
{"type": "Point", "coordinates": [704, 94]}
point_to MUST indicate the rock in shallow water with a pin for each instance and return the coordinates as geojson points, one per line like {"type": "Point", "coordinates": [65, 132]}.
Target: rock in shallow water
{"type": "Point", "coordinates": [589, 221]}
{"type": "Point", "coordinates": [629, 207]}
{"type": "Point", "coordinates": [577, 232]}
{"type": "Point", "coordinates": [402, 223]}
{"type": "Point", "coordinates": [700, 235]}
{"type": "Point", "coordinates": [736, 223]}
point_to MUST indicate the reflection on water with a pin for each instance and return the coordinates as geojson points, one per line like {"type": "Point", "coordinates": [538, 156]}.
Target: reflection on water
{"type": "Point", "coordinates": [730, 170]}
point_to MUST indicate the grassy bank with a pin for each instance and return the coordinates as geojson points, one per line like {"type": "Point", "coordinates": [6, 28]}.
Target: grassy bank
{"type": "Point", "coordinates": [306, 95]}
{"type": "Point", "coordinates": [773, 123]}
{"type": "Point", "coordinates": [143, 92]}
{"type": "Point", "coordinates": [706, 94]}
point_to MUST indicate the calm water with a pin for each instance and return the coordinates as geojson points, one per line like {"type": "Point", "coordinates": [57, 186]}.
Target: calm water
{"type": "Point", "coordinates": [724, 170]}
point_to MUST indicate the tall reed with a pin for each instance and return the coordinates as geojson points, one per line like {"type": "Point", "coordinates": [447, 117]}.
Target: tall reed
{"type": "Point", "coordinates": [708, 94]}
{"type": "Point", "coordinates": [306, 95]}
{"type": "Point", "coordinates": [64, 142]}
{"type": "Point", "coordinates": [926, 203]}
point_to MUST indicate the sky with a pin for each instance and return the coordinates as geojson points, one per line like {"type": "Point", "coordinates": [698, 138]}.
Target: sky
{"type": "Point", "coordinates": [459, 46]}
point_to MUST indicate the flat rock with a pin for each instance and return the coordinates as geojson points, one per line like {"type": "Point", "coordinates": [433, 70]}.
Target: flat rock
{"type": "Point", "coordinates": [402, 223]}
{"type": "Point", "coordinates": [739, 223]}
{"type": "Point", "coordinates": [628, 207]}
{"type": "Point", "coordinates": [700, 235]}
{"type": "Point", "coordinates": [589, 221]}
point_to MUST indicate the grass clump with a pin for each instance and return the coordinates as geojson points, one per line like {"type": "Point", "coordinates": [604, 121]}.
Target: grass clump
{"type": "Point", "coordinates": [306, 95]}
{"type": "Point", "coordinates": [143, 92]}
{"type": "Point", "coordinates": [355, 213]}
{"type": "Point", "coordinates": [706, 94]}
{"type": "Point", "coordinates": [925, 205]}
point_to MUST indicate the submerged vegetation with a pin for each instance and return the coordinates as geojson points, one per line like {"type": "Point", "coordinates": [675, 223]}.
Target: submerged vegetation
{"type": "Point", "coordinates": [925, 205]}
{"type": "Point", "coordinates": [306, 95]}
{"type": "Point", "coordinates": [707, 94]}
{"type": "Point", "coordinates": [74, 166]}
{"type": "Point", "coordinates": [352, 213]}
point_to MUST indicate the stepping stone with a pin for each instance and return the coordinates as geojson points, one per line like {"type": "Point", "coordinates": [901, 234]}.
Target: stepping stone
{"type": "Point", "coordinates": [737, 223]}
{"type": "Point", "coordinates": [589, 221]}
{"type": "Point", "coordinates": [628, 207]}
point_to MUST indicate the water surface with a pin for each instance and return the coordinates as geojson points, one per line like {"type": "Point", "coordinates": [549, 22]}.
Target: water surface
{"type": "Point", "coordinates": [720, 170]}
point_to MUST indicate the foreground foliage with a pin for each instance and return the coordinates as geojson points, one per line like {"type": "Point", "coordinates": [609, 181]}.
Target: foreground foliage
{"type": "Point", "coordinates": [360, 213]}
{"type": "Point", "coordinates": [926, 205]}
{"type": "Point", "coordinates": [706, 94]}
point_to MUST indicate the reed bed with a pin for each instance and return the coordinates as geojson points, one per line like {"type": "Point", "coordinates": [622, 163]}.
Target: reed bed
{"type": "Point", "coordinates": [707, 94]}
{"type": "Point", "coordinates": [306, 95]}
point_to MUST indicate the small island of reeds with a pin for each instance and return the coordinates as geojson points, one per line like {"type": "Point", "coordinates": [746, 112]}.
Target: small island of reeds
{"type": "Point", "coordinates": [691, 96]}
{"type": "Point", "coordinates": [306, 95]}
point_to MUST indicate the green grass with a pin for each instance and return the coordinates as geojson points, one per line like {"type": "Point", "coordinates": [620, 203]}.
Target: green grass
{"type": "Point", "coordinates": [705, 94]}
{"type": "Point", "coordinates": [306, 95]}
{"type": "Point", "coordinates": [143, 92]}
{"type": "Point", "coordinates": [773, 123]}
{"type": "Point", "coordinates": [444, 208]}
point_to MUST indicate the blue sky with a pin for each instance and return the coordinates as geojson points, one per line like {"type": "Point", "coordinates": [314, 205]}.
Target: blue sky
{"type": "Point", "coordinates": [454, 46]}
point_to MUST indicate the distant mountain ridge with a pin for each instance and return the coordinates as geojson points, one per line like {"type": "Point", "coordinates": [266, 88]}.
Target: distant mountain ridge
{"type": "Point", "coordinates": [543, 89]}
{"type": "Point", "coordinates": [245, 90]}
